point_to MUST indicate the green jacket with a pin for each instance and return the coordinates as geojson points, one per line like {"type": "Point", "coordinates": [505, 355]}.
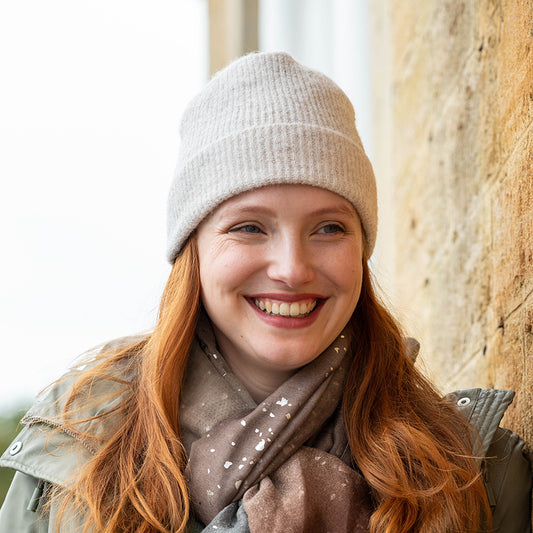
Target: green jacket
{"type": "Point", "coordinates": [44, 457]}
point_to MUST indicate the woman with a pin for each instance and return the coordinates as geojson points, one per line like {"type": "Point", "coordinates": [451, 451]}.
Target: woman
{"type": "Point", "coordinates": [275, 393]}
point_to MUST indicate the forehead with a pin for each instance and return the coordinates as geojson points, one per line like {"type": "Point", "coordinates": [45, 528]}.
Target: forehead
{"type": "Point", "coordinates": [279, 197]}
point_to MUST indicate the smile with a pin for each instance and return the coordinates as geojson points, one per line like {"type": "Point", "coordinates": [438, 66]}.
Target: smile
{"type": "Point", "coordinates": [287, 309]}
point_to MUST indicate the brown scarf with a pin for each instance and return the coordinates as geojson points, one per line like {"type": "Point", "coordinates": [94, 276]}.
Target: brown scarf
{"type": "Point", "coordinates": [287, 458]}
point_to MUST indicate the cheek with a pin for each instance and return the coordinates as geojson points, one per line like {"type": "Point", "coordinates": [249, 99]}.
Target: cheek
{"type": "Point", "coordinates": [346, 270]}
{"type": "Point", "coordinates": [348, 279]}
{"type": "Point", "coordinates": [226, 270]}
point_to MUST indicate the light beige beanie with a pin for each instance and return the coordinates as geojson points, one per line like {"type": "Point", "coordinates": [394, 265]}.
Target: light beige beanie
{"type": "Point", "coordinates": [264, 120]}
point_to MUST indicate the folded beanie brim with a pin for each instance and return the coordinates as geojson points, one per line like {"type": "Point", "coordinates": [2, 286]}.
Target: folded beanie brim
{"type": "Point", "coordinates": [272, 154]}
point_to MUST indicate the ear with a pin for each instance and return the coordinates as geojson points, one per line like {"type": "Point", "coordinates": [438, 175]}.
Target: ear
{"type": "Point", "coordinates": [412, 347]}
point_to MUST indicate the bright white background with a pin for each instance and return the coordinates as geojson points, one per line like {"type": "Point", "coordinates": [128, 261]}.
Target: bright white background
{"type": "Point", "coordinates": [90, 99]}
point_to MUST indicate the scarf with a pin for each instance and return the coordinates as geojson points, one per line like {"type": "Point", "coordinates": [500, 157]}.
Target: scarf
{"type": "Point", "coordinates": [286, 460]}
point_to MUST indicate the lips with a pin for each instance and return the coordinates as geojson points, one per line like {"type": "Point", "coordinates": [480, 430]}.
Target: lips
{"type": "Point", "coordinates": [297, 308]}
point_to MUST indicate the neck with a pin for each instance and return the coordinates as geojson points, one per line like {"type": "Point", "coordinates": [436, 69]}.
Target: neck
{"type": "Point", "coordinates": [260, 380]}
{"type": "Point", "coordinates": [259, 385]}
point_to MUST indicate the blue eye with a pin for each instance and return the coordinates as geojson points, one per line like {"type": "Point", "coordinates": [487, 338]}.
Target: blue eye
{"type": "Point", "coordinates": [331, 228]}
{"type": "Point", "coordinates": [248, 228]}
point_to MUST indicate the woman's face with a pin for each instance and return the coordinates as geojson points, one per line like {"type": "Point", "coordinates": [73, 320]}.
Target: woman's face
{"type": "Point", "coordinates": [280, 270]}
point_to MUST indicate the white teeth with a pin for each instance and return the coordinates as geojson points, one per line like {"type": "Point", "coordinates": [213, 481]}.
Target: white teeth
{"type": "Point", "coordinates": [293, 309]}
{"type": "Point", "coordinates": [284, 309]}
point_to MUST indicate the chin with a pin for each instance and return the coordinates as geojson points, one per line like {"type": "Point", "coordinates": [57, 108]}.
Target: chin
{"type": "Point", "coordinates": [291, 359]}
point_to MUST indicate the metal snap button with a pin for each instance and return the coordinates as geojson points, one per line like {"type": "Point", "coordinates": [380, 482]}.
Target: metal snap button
{"type": "Point", "coordinates": [463, 401]}
{"type": "Point", "coordinates": [15, 448]}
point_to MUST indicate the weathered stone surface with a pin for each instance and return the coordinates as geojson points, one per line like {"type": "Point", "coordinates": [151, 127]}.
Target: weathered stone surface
{"type": "Point", "coordinates": [459, 178]}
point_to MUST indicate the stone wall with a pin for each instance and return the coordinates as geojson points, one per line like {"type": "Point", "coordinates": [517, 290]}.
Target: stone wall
{"type": "Point", "coordinates": [454, 158]}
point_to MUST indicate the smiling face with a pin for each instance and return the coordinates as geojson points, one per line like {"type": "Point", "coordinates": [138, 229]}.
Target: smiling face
{"type": "Point", "coordinates": [280, 270]}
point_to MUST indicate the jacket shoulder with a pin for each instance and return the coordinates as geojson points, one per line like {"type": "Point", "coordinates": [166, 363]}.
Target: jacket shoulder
{"type": "Point", "coordinates": [484, 410]}
{"type": "Point", "coordinates": [20, 505]}
{"type": "Point", "coordinates": [53, 449]}
{"type": "Point", "coordinates": [506, 468]}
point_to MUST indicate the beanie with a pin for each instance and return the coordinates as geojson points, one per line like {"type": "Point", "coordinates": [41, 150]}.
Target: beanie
{"type": "Point", "coordinates": [264, 120]}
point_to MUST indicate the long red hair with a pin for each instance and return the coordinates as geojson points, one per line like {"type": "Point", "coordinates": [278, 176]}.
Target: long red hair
{"type": "Point", "coordinates": [411, 446]}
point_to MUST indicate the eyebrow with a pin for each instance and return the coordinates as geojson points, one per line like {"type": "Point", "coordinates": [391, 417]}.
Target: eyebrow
{"type": "Point", "coordinates": [341, 208]}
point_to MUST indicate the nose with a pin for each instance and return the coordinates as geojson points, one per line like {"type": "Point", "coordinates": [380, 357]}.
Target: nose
{"type": "Point", "coordinates": [291, 263]}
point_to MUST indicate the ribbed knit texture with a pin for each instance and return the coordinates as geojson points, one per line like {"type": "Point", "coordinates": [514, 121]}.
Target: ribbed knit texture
{"type": "Point", "coordinates": [264, 120]}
